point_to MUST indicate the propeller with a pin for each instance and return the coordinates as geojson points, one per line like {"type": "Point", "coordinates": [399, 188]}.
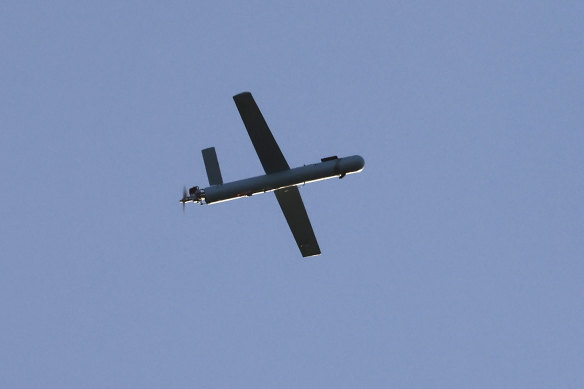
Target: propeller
{"type": "Point", "coordinates": [183, 200]}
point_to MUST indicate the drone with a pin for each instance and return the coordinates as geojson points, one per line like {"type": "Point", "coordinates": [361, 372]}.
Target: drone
{"type": "Point", "coordinates": [279, 177]}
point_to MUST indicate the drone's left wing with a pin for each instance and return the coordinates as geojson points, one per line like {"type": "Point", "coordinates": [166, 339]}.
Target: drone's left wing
{"type": "Point", "coordinates": [297, 218]}
{"type": "Point", "coordinates": [273, 161]}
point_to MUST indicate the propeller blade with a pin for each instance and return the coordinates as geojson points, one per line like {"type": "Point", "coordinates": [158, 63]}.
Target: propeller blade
{"type": "Point", "coordinates": [184, 199]}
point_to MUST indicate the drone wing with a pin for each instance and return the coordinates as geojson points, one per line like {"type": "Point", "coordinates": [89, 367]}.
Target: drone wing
{"type": "Point", "coordinates": [273, 161]}
{"type": "Point", "coordinates": [298, 221]}
{"type": "Point", "coordinates": [263, 141]}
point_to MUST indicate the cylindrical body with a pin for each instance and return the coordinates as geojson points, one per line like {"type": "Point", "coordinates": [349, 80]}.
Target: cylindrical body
{"type": "Point", "coordinates": [297, 176]}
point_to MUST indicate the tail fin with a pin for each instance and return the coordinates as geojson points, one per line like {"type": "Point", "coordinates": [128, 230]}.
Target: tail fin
{"type": "Point", "coordinates": [212, 166]}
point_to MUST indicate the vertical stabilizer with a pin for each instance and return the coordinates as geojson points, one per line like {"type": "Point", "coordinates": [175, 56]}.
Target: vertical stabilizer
{"type": "Point", "coordinates": [212, 166]}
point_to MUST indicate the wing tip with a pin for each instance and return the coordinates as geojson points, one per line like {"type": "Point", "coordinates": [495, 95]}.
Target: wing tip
{"type": "Point", "coordinates": [241, 95]}
{"type": "Point", "coordinates": [308, 250]}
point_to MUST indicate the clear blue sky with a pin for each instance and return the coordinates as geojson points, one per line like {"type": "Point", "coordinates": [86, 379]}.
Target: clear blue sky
{"type": "Point", "coordinates": [454, 260]}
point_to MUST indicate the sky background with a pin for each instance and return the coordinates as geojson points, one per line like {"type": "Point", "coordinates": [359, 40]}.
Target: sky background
{"type": "Point", "coordinates": [454, 260]}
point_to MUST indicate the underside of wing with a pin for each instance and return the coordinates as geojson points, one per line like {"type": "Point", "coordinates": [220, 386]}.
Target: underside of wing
{"type": "Point", "coordinates": [263, 141]}
{"type": "Point", "coordinates": [297, 218]}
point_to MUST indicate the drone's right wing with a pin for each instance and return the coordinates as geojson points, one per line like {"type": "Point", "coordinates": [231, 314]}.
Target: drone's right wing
{"type": "Point", "coordinates": [263, 141]}
{"type": "Point", "coordinates": [273, 161]}
{"type": "Point", "coordinates": [297, 218]}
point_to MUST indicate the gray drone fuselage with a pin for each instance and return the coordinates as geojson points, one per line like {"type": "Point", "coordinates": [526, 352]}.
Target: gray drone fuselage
{"type": "Point", "coordinates": [338, 167]}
